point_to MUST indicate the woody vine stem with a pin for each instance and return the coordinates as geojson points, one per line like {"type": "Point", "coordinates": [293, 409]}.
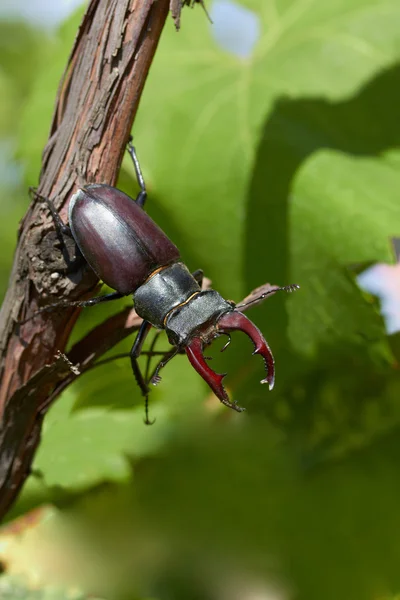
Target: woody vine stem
{"type": "Point", "coordinates": [94, 111]}
{"type": "Point", "coordinates": [95, 107]}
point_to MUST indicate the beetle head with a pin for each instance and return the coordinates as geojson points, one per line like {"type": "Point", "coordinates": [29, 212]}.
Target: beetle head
{"type": "Point", "coordinates": [227, 322]}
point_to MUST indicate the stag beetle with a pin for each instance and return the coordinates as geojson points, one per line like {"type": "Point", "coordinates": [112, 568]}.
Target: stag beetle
{"type": "Point", "coordinates": [132, 255]}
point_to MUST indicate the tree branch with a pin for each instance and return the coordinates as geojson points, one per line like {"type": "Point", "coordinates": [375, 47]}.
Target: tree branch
{"type": "Point", "coordinates": [96, 103]}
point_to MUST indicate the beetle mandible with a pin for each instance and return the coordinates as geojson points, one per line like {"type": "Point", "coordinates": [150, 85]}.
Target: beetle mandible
{"type": "Point", "coordinates": [132, 255]}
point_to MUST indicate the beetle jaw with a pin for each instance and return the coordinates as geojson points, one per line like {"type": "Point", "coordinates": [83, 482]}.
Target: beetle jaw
{"type": "Point", "coordinates": [194, 351]}
{"type": "Point", "coordinates": [236, 321]}
{"type": "Point", "coordinates": [227, 322]}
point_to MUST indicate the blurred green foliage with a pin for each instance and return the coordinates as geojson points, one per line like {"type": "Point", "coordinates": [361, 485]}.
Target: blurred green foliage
{"type": "Point", "coordinates": [12, 588]}
{"type": "Point", "coordinates": [283, 167]}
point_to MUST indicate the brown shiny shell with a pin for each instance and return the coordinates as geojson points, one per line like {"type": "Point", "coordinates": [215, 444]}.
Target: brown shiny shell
{"type": "Point", "coordinates": [120, 242]}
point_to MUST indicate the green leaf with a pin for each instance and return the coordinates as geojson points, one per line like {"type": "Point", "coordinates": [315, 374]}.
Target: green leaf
{"type": "Point", "coordinates": [16, 588]}
{"type": "Point", "coordinates": [264, 164]}
{"type": "Point", "coordinates": [224, 143]}
{"type": "Point", "coordinates": [282, 168]}
{"type": "Point", "coordinates": [249, 504]}
{"type": "Point", "coordinates": [80, 449]}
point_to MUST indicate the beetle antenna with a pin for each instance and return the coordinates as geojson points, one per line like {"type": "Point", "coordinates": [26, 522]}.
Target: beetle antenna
{"type": "Point", "coordinates": [286, 288]}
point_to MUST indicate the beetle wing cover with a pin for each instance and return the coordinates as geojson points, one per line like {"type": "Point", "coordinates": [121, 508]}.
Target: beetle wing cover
{"type": "Point", "coordinates": [121, 243]}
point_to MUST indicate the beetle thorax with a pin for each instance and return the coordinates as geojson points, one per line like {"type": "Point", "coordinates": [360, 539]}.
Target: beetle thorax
{"type": "Point", "coordinates": [171, 299]}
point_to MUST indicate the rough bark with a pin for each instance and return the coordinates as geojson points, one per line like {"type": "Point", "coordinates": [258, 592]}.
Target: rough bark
{"type": "Point", "coordinates": [95, 107]}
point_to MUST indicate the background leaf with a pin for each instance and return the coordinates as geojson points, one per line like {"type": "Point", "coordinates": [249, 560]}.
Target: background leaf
{"type": "Point", "coordinates": [280, 167]}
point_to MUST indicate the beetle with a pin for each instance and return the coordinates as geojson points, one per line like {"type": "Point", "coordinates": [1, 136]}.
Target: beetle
{"type": "Point", "coordinates": [131, 254]}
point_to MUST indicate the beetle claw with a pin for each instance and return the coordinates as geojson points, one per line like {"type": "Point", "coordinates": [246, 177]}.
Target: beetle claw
{"type": "Point", "coordinates": [194, 351]}
{"type": "Point", "coordinates": [156, 379]}
{"type": "Point", "coordinates": [231, 321]}
{"type": "Point", "coordinates": [227, 343]}
{"type": "Point", "coordinates": [235, 320]}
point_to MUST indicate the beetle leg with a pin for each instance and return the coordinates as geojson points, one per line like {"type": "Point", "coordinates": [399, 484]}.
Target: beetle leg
{"type": "Point", "coordinates": [73, 265]}
{"type": "Point", "coordinates": [155, 378]}
{"type": "Point", "coordinates": [152, 352]}
{"type": "Point", "coordinates": [135, 353]}
{"type": "Point", "coordinates": [77, 303]}
{"type": "Point", "coordinates": [191, 3]}
{"type": "Point", "coordinates": [61, 229]}
{"type": "Point", "coordinates": [141, 197]}
{"type": "Point", "coordinates": [105, 361]}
